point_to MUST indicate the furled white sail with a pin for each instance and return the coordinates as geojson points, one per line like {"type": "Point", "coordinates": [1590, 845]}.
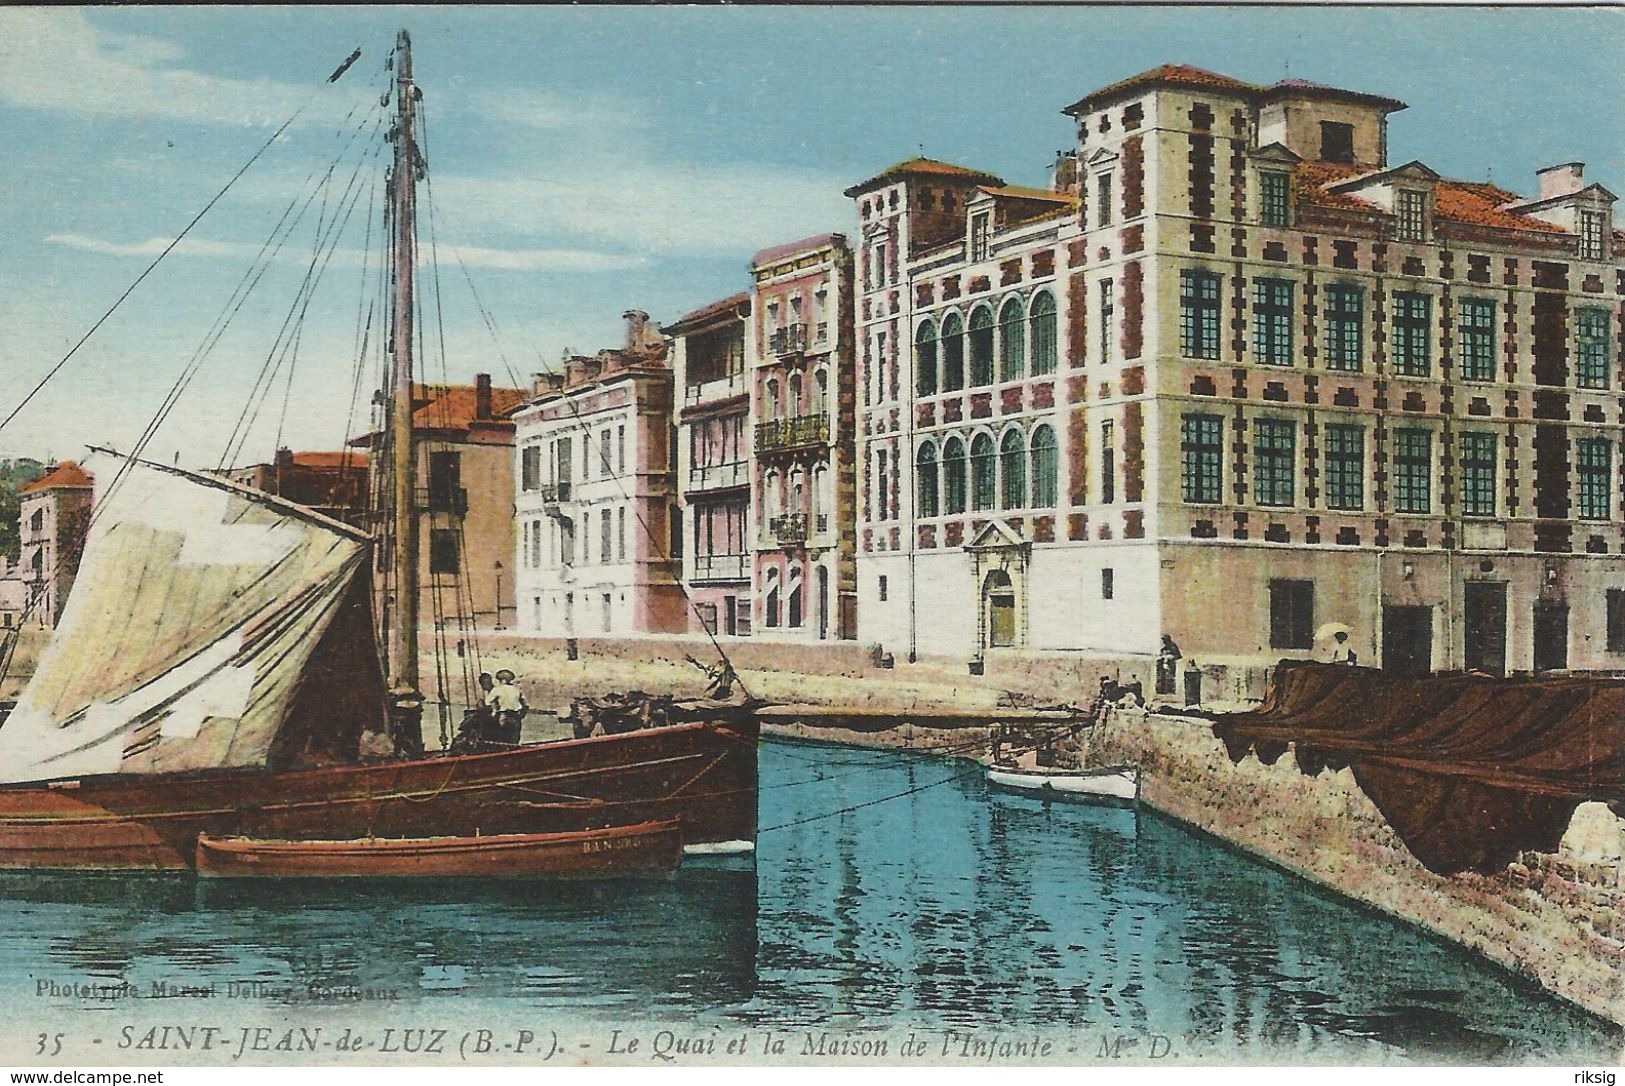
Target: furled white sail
{"type": "Point", "coordinates": [189, 631]}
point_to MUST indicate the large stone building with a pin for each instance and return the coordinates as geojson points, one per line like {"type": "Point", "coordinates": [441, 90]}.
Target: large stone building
{"type": "Point", "coordinates": [54, 515]}
{"type": "Point", "coordinates": [710, 347]}
{"type": "Point", "coordinates": [802, 394]}
{"type": "Point", "coordinates": [598, 527]}
{"type": "Point", "coordinates": [1234, 377]}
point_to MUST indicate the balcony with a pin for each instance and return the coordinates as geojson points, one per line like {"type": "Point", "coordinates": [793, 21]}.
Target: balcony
{"type": "Point", "coordinates": [443, 499]}
{"type": "Point", "coordinates": [715, 387]}
{"type": "Point", "coordinates": [554, 494]}
{"type": "Point", "coordinates": [789, 528]}
{"type": "Point", "coordinates": [717, 476]}
{"type": "Point", "coordinates": [792, 433]}
{"type": "Point", "coordinates": [719, 567]}
{"type": "Point", "coordinates": [791, 339]}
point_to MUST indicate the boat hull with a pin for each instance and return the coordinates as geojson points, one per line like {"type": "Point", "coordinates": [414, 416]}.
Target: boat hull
{"type": "Point", "coordinates": [1115, 786]}
{"type": "Point", "coordinates": [643, 849]}
{"type": "Point", "coordinates": [703, 774]}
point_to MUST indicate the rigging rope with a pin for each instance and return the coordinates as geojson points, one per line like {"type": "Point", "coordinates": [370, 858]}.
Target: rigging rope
{"type": "Point", "coordinates": [586, 428]}
{"type": "Point", "coordinates": [269, 250]}
{"type": "Point", "coordinates": [187, 229]}
{"type": "Point", "coordinates": [325, 244]}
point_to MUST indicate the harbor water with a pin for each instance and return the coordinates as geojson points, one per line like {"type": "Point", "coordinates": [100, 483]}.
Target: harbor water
{"type": "Point", "coordinates": [891, 893]}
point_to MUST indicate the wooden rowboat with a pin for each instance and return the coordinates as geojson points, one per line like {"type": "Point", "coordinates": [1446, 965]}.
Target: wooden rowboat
{"type": "Point", "coordinates": [1111, 785]}
{"type": "Point", "coordinates": [641, 849]}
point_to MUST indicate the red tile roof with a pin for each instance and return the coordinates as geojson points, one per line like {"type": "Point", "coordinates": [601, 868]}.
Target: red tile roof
{"type": "Point", "coordinates": [1310, 180]}
{"type": "Point", "coordinates": [1479, 204]}
{"type": "Point", "coordinates": [355, 458]}
{"type": "Point", "coordinates": [1186, 75]}
{"type": "Point", "coordinates": [454, 407]}
{"type": "Point", "coordinates": [1468, 202]}
{"type": "Point", "coordinates": [1167, 75]}
{"type": "Point", "coordinates": [1303, 88]}
{"type": "Point", "coordinates": [65, 474]}
{"type": "Point", "coordinates": [792, 248]}
{"type": "Point", "coordinates": [926, 167]}
{"type": "Point", "coordinates": [710, 310]}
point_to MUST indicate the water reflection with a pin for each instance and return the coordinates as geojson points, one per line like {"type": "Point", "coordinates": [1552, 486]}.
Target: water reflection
{"type": "Point", "coordinates": [948, 907]}
{"type": "Point", "coordinates": [574, 944]}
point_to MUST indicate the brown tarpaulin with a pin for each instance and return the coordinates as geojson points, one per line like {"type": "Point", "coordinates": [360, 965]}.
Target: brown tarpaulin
{"type": "Point", "coordinates": [1468, 769]}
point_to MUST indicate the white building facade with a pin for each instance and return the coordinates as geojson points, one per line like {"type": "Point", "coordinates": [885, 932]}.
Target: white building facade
{"type": "Point", "coordinates": [595, 501]}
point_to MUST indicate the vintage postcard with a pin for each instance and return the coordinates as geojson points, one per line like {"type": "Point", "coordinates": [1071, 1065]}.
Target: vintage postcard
{"type": "Point", "coordinates": [984, 537]}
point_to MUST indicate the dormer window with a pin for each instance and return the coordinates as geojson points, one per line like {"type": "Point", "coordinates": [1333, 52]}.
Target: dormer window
{"type": "Point", "coordinates": [1410, 209]}
{"type": "Point", "coordinates": [1272, 198]}
{"type": "Point", "coordinates": [1103, 199]}
{"type": "Point", "coordinates": [1336, 141]}
{"type": "Point", "coordinates": [981, 232]}
{"type": "Point", "coordinates": [1593, 230]}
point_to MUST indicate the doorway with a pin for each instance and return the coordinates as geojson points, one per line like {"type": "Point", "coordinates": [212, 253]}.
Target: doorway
{"type": "Point", "coordinates": [1551, 637]}
{"type": "Point", "coordinates": [999, 597]}
{"type": "Point", "coordinates": [1407, 640]}
{"type": "Point", "coordinates": [1484, 621]}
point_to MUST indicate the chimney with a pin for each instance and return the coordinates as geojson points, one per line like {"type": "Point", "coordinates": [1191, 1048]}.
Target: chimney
{"type": "Point", "coordinates": [1064, 174]}
{"type": "Point", "coordinates": [637, 323]}
{"type": "Point", "coordinates": [1564, 180]}
{"type": "Point", "coordinates": [482, 395]}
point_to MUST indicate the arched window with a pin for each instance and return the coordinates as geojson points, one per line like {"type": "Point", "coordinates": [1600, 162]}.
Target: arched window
{"type": "Point", "coordinates": [925, 480]}
{"type": "Point", "coordinates": [1041, 318]}
{"type": "Point", "coordinates": [1013, 470]}
{"type": "Point", "coordinates": [772, 398]}
{"type": "Point", "coordinates": [821, 390]}
{"type": "Point", "coordinates": [771, 498]}
{"type": "Point", "coordinates": [1012, 340]}
{"type": "Point", "coordinates": [982, 472]}
{"type": "Point", "coordinates": [793, 407]}
{"type": "Point", "coordinates": [821, 497]}
{"type": "Point", "coordinates": [772, 608]}
{"type": "Point", "coordinates": [1044, 468]}
{"type": "Point", "coordinates": [981, 346]}
{"type": "Point", "coordinates": [953, 475]}
{"type": "Point", "coordinates": [795, 600]}
{"type": "Point", "coordinates": [953, 353]}
{"type": "Point", "coordinates": [925, 359]}
{"type": "Point", "coordinates": [798, 496]}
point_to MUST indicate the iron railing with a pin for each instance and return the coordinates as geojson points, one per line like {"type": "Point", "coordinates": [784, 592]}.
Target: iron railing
{"type": "Point", "coordinates": [793, 432]}
{"type": "Point", "coordinates": [789, 527]}
{"type": "Point", "coordinates": [791, 339]}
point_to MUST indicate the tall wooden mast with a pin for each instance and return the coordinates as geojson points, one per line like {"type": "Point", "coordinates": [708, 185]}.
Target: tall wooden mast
{"type": "Point", "coordinates": [406, 702]}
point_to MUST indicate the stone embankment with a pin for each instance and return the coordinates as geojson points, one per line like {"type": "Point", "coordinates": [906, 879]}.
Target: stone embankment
{"type": "Point", "coordinates": [1558, 920]}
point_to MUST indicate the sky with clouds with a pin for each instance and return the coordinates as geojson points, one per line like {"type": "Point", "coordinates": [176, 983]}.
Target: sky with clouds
{"type": "Point", "coordinates": [587, 160]}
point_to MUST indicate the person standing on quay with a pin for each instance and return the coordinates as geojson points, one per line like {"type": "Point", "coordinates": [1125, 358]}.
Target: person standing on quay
{"type": "Point", "coordinates": [507, 704]}
{"type": "Point", "coordinates": [1168, 658]}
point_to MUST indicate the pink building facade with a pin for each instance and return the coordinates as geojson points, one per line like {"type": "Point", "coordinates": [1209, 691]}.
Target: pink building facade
{"type": "Point", "coordinates": [802, 405]}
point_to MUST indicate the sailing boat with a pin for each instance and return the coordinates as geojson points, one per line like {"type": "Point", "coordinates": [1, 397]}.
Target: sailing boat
{"type": "Point", "coordinates": [217, 668]}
